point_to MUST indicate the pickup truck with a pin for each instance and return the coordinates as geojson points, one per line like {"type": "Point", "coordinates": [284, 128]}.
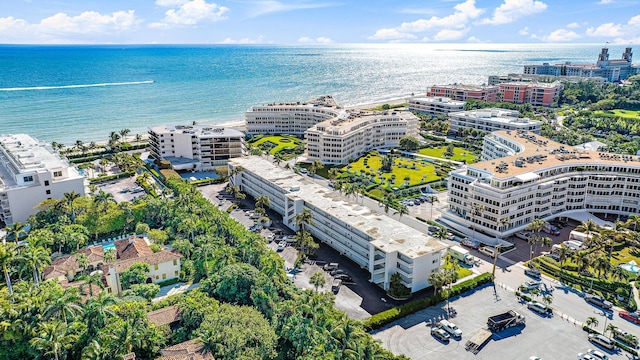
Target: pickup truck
{"type": "Point", "coordinates": [503, 321]}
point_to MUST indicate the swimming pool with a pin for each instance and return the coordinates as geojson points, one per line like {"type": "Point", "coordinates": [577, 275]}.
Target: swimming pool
{"type": "Point", "coordinates": [108, 247]}
{"type": "Point", "coordinates": [631, 267]}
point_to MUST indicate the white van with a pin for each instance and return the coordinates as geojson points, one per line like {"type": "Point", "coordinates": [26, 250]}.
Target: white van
{"type": "Point", "coordinates": [451, 328]}
{"type": "Point", "coordinates": [488, 250]}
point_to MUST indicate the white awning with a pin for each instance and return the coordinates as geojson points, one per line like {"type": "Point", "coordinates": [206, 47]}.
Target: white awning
{"type": "Point", "coordinates": [527, 177]}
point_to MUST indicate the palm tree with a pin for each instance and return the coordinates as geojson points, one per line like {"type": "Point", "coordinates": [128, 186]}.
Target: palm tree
{"type": "Point", "coordinates": [315, 166]}
{"type": "Point", "coordinates": [476, 210]}
{"type": "Point", "coordinates": [601, 264]}
{"type": "Point", "coordinates": [67, 305]}
{"type": "Point", "coordinates": [345, 335]}
{"type": "Point", "coordinates": [103, 198]}
{"type": "Point", "coordinates": [35, 259]}
{"type": "Point", "coordinates": [536, 226]}
{"type": "Point", "coordinates": [564, 253]}
{"type": "Point", "coordinates": [588, 227]}
{"type": "Point", "coordinates": [547, 299]}
{"type": "Point", "coordinates": [124, 133]}
{"type": "Point", "coordinates": [15, 231]}
{"type": "Point", "coordinates": [388, 200]}
{"type": "Point", "coordinates": [69, 198]}
{"type": "Point", "coordinates": [138, 139]}
{"type": "Point", "coordinates": [96, 352]}
{"type": "Point", "coordinates": [441, 234]}
{"type": "Point", "coordinates": [591, 321]}
{"type": "Point", "coordinates": [304, 219]}
{"type": "Point", "coordinates": [83, 262]}
{"type": "Point", "coordinates": [633, 220]}
{"type": "Point", "coordinates": [97, 311]}
{"type": "Point", "coordinates": [110, 256]}
{"type": "Point", "coordinates": [52, 338]}
{"type": "Point", "coordinates": [402, 210]}
{"type": "Point", "coordinates": [610, 329]}
{"type": "Point", "coordinates": [93, 279]}
{"type": "Point", "coordinates": [437, 280]}
{"type": "Point", "coordinates": [7, 256]}
{"type": "Point", "coordinates": [317, 280]}
{"type": "Point", "coordinates": [305, 241]}
{"type": "Point", "coordinates": [262, 202]}
{"type": "Point", "coordinates": [431, 199]}
{"type": "Point", "coordinates": [278, 158]}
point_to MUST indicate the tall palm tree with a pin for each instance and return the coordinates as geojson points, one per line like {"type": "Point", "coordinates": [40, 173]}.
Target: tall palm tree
{"type": "Point", "coordinates": [564, 253]}
{"type": "Point", "coordinates": [94, 351]}
{"type": "Point", "coordinates": [8, 255]}
{"type": "Point", "coordinates": [402, 210]}
{"type": "Point", "coordinates": [97, 311]}
{"type": "Point", "coordinates": [103, 198]}
{"type": "Point", "coordinates": [93, 279]}
{"type": "Point", "coordinates": [110, 256]}
{"type": "Point", "coordinates": [304, 219]}
{"type": "Point", "coordinates": [35, 259]}
{"type": "Point", "coordinates": [66, 306]}
{"type": "Point", "coordinates": [124, 133]}
{"type": "Point", "coordinates": [601, 264]}
{"type": "Point", "coordinates": [83, 262]}
{"type": "Point", "coordinates": [441, 234]}
{"type": "Point", "coordinates": [588, 227]}
{"type": "Point", "coordinates": [262, 202]}
{"type": "Point", "coordinates": [633, 220]}
{"type": "Point", "coordinates": [69, 198]}
{"type": "Point", "coordinates": [591, 321]}
{"type": "Point", "coordinates": [52, 338]}
{"type": "Point", "coordinates": [437, 280]}
{"type": "Point", "coordinates": [345, 334]}
{"type": "Point", "coordinates": [15, 231]}
{"type": "Point", "coordinates": [138, 139]}
{"type": "Point", "coordinates": [476, 210]}
{"type": "Point", "coordinates": [315, 166]}
{"type": "Point", "coordinates": [535, 226]}
{"type": "Point", "coordinates": [431, 199]}
{"type": "Point", "coordinates": [610, 329]}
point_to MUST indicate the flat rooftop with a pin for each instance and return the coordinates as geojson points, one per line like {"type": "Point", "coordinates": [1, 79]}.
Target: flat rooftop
{"type": "Point", "coordinates": [496, 115]}
{"type": "Point", "coordinates": [437, 99]}
{"type": "Point", "coordinates": [540, 153]}
{"type": "Point", "coordinates": [29, 155]}
{"type": "Point", "coordinates": [385, 233]}
{"type": "Point", "coordinates": [323, 101]}
{"type": "Point", "coordinates": [200, 130]}
{"type": "Point", "coordinates": [346, 119]}
{"type": "Point", "coordinates": [466, 87]}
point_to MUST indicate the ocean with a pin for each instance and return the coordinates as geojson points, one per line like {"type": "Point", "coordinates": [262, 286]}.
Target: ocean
{"type": "Point", "coordinates": [69, 93]}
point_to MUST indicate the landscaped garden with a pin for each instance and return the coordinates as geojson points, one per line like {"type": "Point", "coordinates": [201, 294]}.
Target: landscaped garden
{"type": "Point", "coordinates": [459, 154]}
{"type": "Point", "coordinates": [625, 114]}
{"type": "Point", "coordinates": [276, 143]}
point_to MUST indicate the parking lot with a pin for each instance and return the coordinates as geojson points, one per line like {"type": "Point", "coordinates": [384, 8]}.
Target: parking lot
{"type": "Point", "coordinates": [122, 189]}
{"type": "Point", "coordinates": [546, 337]}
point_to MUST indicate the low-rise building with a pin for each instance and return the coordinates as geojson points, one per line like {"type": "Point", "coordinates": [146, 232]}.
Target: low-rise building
{"type": "Point", "coordinates": [290, 118]}
{"type": "Point", "coordinates": [536, 94]}
{"type": "Point", "coordinates": [196, 147]}
{"type": "Point", "coordinates": [353, 133]}
{"type": "Point", "coordinates": [464, 92]}
{"type": "Point", "coordinates": [493, 119]}
{"type": "Point", "coordinates": [541, 78]}
{"type": "Point", "coordinates": [374, 241]}
{"type": "Point", "coordinates": [434, 105]}
{"type": "Point", "coordinates": [526, 176]}
{"type": "Point", "coordinates": [188, 350]}
{"type": "Point", "coordinates": [31, 172]}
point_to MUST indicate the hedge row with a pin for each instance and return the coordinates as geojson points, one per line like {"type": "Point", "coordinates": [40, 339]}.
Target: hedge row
{"type": "Point", "coordinates": [86, 159]}
{"type": "Point", "coordinates": [378, 320]}
{"type": "Point", "coordinates": [621, 345]}
{"type": "Point", "coordinates": [111, 177]}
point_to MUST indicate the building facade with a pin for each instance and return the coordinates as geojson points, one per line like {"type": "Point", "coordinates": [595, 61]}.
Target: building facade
{"type": "Point", "coordinates": [533, 78]}
{"type": "Point", "coordinates": [536, 94]}
{"type": "Point", "coordinates": [464, 92]}
{"type": "Point", "coordinates": [434, 105]}
{"type": "Point", "coordinates": [374, 241]}
{"type": "Point", "coordinates": [31, 172]}
{"type": "Point", "coordinates": [196, 147]}
{"type": "Point", "coordinates": [353, 133]}
{"type": "Point", "coordinates": [493, 119]}
{"type": "Point", "coordinates": [612, 70]}
{"type": "Point", "coordinates": [290, 118]}
{"type": "Point", "coordinates": [538, 179]}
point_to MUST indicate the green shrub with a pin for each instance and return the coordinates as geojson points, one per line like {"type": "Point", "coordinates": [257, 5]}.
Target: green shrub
{"type": "Point", "coordinates": [421, 219]}
{"type": "Point", "coordinates": [111, 177]}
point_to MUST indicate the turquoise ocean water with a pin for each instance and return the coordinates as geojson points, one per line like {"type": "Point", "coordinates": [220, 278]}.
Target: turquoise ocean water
{"type": "Point", "coordinates": [66, 93]}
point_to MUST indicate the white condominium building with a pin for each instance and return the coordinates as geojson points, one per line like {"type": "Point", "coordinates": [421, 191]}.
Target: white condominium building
{"type": "Point", "coordinates": [538, 178]}
{"type": "Point", "coordinates": [353, 133]}
{"type": "Point", "coordinates": [434, 105]}
{"type": "Point", "coordinates": [195, 147]}
{"type": "Point", "coordinates": [290, 118]}
{"type": "Point", "coordinates": [31, 172]}
{"type": "Point", "coordinates": [374, 241]}
{"type": "Point", "coordinates": [493, 119]}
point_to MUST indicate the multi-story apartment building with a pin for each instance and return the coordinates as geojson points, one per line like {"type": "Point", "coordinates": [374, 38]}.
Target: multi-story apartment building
{"type": "Point", "coordinates": [464, 92]}
{"type": "Point", "coordinates": [536, 94]}
{"type": "Point", "coordinates": [434, 105]}
{"type": "Point", "coordinates": [290, 118]}
{"type": "Point", "coordinates": [196, 147]}
{"type": "Point", "coordinates": [31, 172]}
{"type": "Point", "coordinates": [374, 241]}
{"type": "Point", "coordinates": [492, 119]}
{"type": "Point", "coordinates": [538, 178]}
{"type": "Point", "coordinates": [612, 70]}
{"type": "Point", "coordinates": [532, 78]}
{"type": "Point", "coordinates": [353, 133]}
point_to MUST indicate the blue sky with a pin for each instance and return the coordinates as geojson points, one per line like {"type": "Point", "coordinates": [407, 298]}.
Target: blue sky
{"type": "Point", "coordinates": [318, 21]}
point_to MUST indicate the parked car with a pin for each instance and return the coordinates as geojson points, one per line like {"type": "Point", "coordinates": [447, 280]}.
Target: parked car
{"type": "Point", "coordinates": [451, 328]}
{"type": "Point", "coordinates": [344, 277]}
{"type": "Point", "coordinates": [631, 316]}
{"type": "Point", "coordinates": [538, 307]}
{"type": "Point", "coordinates": [338, 272]}
{"type": "Point", "coordinates": [530, 285]}
{"type": "Point", "coordinates": [534, 273]}
{"type": "Point", "coordinates": [281, 246]}
{"type": "Point", "coordinates": [330, 266]}
{"type": "Point", "coordinates": [440, 334]}
{"type": "Point", "coordinates": [598, 301]}
{"type": "Point", "coordinates": [597, 355]}
{"type": "Point", "coordinates": [602, 340]}
{"type": "Point", "coordinates": [583, 356]}
{"type": "Point", "coordinates": [335, 287]}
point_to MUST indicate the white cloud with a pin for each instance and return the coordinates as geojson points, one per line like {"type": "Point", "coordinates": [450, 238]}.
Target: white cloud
{"type": "Point", "coordinates": [524, 31]}
{"type": "Point", "coordinates": [417, 11]}
{"type": "Point", "coordinates": [171, 3]}
{"type": "Point", "coordinates": [318, 40]}
{"type": "Point", "coordinates": [259, 40]}
{"type": "Point", "coordinates": [463, 13]}
{"type": "Point", "coordinates": [573, 25]}
{"type": "Point", "coordinates": [62, 28]}
{"type": "Point", "coordinates": [561, 35]}
{"type": "Point", "coordinates": [605, 30]}
{"type": "Point", "coordinates": [191, 13]}
{"type": "Point", "coordinates": [448, 34]}
{"type": "Point", "coordinates": [605, 2]}
{"type": "Point", "coordinates": [272, 6]}
{"type": "Point", "coordinates": [474, 39]}
{"type": "Point", "coordinates": [511, 10]}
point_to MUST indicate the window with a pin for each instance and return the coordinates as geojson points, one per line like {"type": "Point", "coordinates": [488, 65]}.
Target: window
{"type": "Point", "coordinates": [164, 276]}
{"type": "Point", "coordinates": [176, 273]}
{"type": "Point", "coordinates": [57, 173]}
{"type": "Point", "coordinates": [155, 267]}
{"type": "Point", "coordinates": [175, 262]}
{"type": "Point", "coordinates": [28, 178]}
{"type": "Point", "coordinates": [48, 192]}
{"type": "Point", "coordinates": [46, 183]}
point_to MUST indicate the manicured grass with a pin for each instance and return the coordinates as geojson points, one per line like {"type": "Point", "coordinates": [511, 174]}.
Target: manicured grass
{"type": "Point", "coordinates": [280, 142]}
{"type": "Point", "coordinates": [424, 172]}
{"type": "Point", "coordinates": [459, 153]}
{"type": "Point", "coordinates": [624, 256]}
{"type": "Point", "coordinates": [627, 114]}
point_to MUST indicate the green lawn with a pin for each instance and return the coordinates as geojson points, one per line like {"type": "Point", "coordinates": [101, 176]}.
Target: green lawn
{"type": "Point", "coordinates": [627, 114]}
{"type": "Point", "coordinates": [369, 166]}
{"type": "Point", "coordinates": [459, 153]}
{"type": "Point", "coordinates": [280, 142]}
{"type": "Point", "coordinates": [624, 256]}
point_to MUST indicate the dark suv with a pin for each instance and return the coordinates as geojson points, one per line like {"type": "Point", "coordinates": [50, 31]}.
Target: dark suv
{"type": "Point", "coordinates": [598, 301]}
